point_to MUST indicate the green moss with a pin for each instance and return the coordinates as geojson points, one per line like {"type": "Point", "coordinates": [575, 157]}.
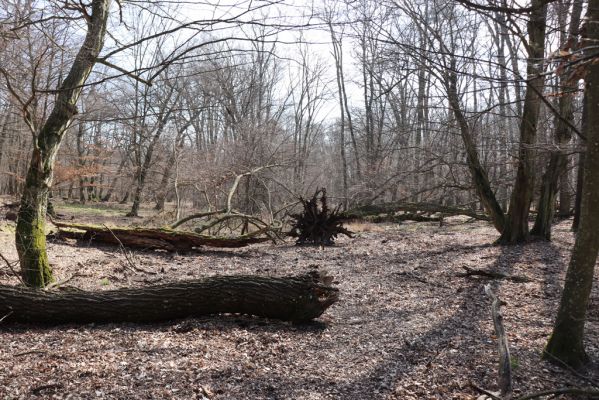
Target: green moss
{"type": "Point", "coordinates": [31, 246]}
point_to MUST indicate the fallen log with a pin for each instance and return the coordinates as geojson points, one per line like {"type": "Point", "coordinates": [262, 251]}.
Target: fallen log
{"type": "Point", "coordinates": [395, 207]}
{"type": "Point", "coordinates": [298, 299]}
{"type": "Point", "coordinates": [493, 275]}
{"type": "Point", "coordinates": [152, 238]}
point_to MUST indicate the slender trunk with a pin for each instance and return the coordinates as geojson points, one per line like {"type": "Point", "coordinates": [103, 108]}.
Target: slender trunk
{"type": "Point", "coordinates": [479, 174]}
{"type": "Point", "coordinates": [30, 232]}
{"type": "Point", "coordinates": [558, 161]}
{"type": "Point", "coordinates": [516, 227]}
{"type": "Point", "coordinates": [337, 56]}
{"type": "Point", "coordinates": [578, 199]}
{"type": "Point", "coordinates": [142, 171]}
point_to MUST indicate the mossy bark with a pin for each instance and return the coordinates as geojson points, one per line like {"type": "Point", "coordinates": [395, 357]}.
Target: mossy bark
{"type": "Point", "coordinates": [30, 232]}
{"type": "Point", "coordinates": [566, 342]}
{"type": "Point", "coordinates": [30, 236]}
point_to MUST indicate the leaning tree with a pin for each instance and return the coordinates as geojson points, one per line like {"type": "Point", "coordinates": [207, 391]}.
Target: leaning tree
{"type": "Point", "coordinates": [30, 232]}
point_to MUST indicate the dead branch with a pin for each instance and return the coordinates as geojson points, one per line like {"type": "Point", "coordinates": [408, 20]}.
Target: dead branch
{"type": "Point", "coordinates": [493, 275]}
{"type": "Point", "coordinates": [151, 238]}
{"type": "Point", "coordinates": [180, 222]}
{"type": "Point", "coordinates": [414, 208]}
{"type": "Point", "coordinates": [591, 392]}
{"type": "Point", "coordinates": [11, 268]}
{"type": "Point", "coordinates": [505, 365]}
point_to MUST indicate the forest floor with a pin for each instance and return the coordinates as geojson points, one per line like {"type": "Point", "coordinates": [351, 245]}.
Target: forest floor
{"type": "Point", "coordinates": [407, 325]}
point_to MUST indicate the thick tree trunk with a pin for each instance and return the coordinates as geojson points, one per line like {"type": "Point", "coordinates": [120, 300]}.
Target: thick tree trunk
{"type": "Point", "coordinates": [516, 226]}
{"type": "Point", "coordinates": [296, 299]}
{"type": "Point", "coordinates": [30, 235]}
{"type": "Point", "coordinates": [566, 342]}
{"type": "Point", "coordinates": [153, 238]}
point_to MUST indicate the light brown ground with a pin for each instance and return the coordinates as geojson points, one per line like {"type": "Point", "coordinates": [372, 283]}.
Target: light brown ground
{"type": "Point", "coordinates": [406, 327]}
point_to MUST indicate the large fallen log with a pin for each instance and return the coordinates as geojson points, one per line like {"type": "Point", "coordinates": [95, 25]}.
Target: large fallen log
{"type": "Point", "coordinates": [427, 208]}
{"type": "Point", "coordinates": [152, 238]}
{"type": "Point", "coordinates": [298, 299]}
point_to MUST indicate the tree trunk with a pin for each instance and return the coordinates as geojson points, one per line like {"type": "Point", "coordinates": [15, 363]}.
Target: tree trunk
{"type": "Point", "coordinates": [30, 232]}
{"type": "Point", "coordinates": [153, 238]}
{"type": "Point", "coordinates": [477, 171]}
{"type": "Point", "coordinates": [566, 342]}
{"type": "Point", "coordinates": [578, 198]}
{"type": "Point", "coordinates": [298, 299]}
{"type": "Point", "coordinates": [516, 226]}
{"type": "Point", "coordinates": [558, 162]}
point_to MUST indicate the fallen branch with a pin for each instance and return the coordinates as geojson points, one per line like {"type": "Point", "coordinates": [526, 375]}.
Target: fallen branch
{"type": "Point", "coordinates": [493, 275]}
{"type": "Point", "coordinates": [299, 298]}
{"type": "Point", "coordinates": [428, 208]}
{"type": "Point", "coordinates": [505, 365]}
{"type": "Point", "coordinates": [151, 238]}
{"type": "Point", "coordinates": [57, 284]}
{"type": "Point", "coordinates": [181, 221]}
{"type": "Point", "coordinates": [484, 391]}
{"type": "Point", "coordinates": [11, 268]}
{"type": "Point", "coordinates": [591, 392]}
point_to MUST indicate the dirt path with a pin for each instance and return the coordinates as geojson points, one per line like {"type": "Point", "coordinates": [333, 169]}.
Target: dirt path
{"type": "Point", "coordinates": [407, 327]}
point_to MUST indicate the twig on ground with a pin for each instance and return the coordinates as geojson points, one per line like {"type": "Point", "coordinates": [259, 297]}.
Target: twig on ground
{"type": "Point", "coordinates": [6, 316]}
{"type": "Point", "coordinates": [50, 386]}
{"type": "Point", "coordinates": [572, 370]}
{"type": "Point", "coordinates": [484, 391]}
{"type": "Point", "coordinates": [493, 275]}
{"type": "Point", "coordinates": [593, 393]}
{"type": "Point", "coordinates": [128, 255]}
{"type": "Point", "coordinates": [10, 266]}
{"type": "Point", "coordinates": [62, 282]}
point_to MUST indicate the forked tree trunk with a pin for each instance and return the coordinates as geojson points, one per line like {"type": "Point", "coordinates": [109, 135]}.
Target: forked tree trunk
{"type": "Point", "coordinates": [296, 299]}
{"type": "Point", "coordinates": [516, 226]}
{"type": "Point", "coordinates": [566, 342]}
{"type": "Point", "coordinates": [30, 232]}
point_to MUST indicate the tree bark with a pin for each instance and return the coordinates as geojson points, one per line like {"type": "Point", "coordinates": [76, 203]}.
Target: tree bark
{"type": "Point", "coordinates": [566, 341]}
{"type": "Point", "coordinates": [153, 238]}
{"type": "Point", "coordinates": [558, 161]}
{"type": "Point", "coordinates": [30, 232]}
{"type": "Point", "coordinates": [477, 171]}
{"type": "Point", "coordinates": [297, 299]}
{"type": "Point", "coordinates": [516, 226]}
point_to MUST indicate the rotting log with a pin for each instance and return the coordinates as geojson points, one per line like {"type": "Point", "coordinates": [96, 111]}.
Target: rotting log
{"type": "Point", "coordinates": [152, 238]}
{"type": "Point", "coordinates": [294, 298]}
{"type": "Point", "coordinates": [395, 207]}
